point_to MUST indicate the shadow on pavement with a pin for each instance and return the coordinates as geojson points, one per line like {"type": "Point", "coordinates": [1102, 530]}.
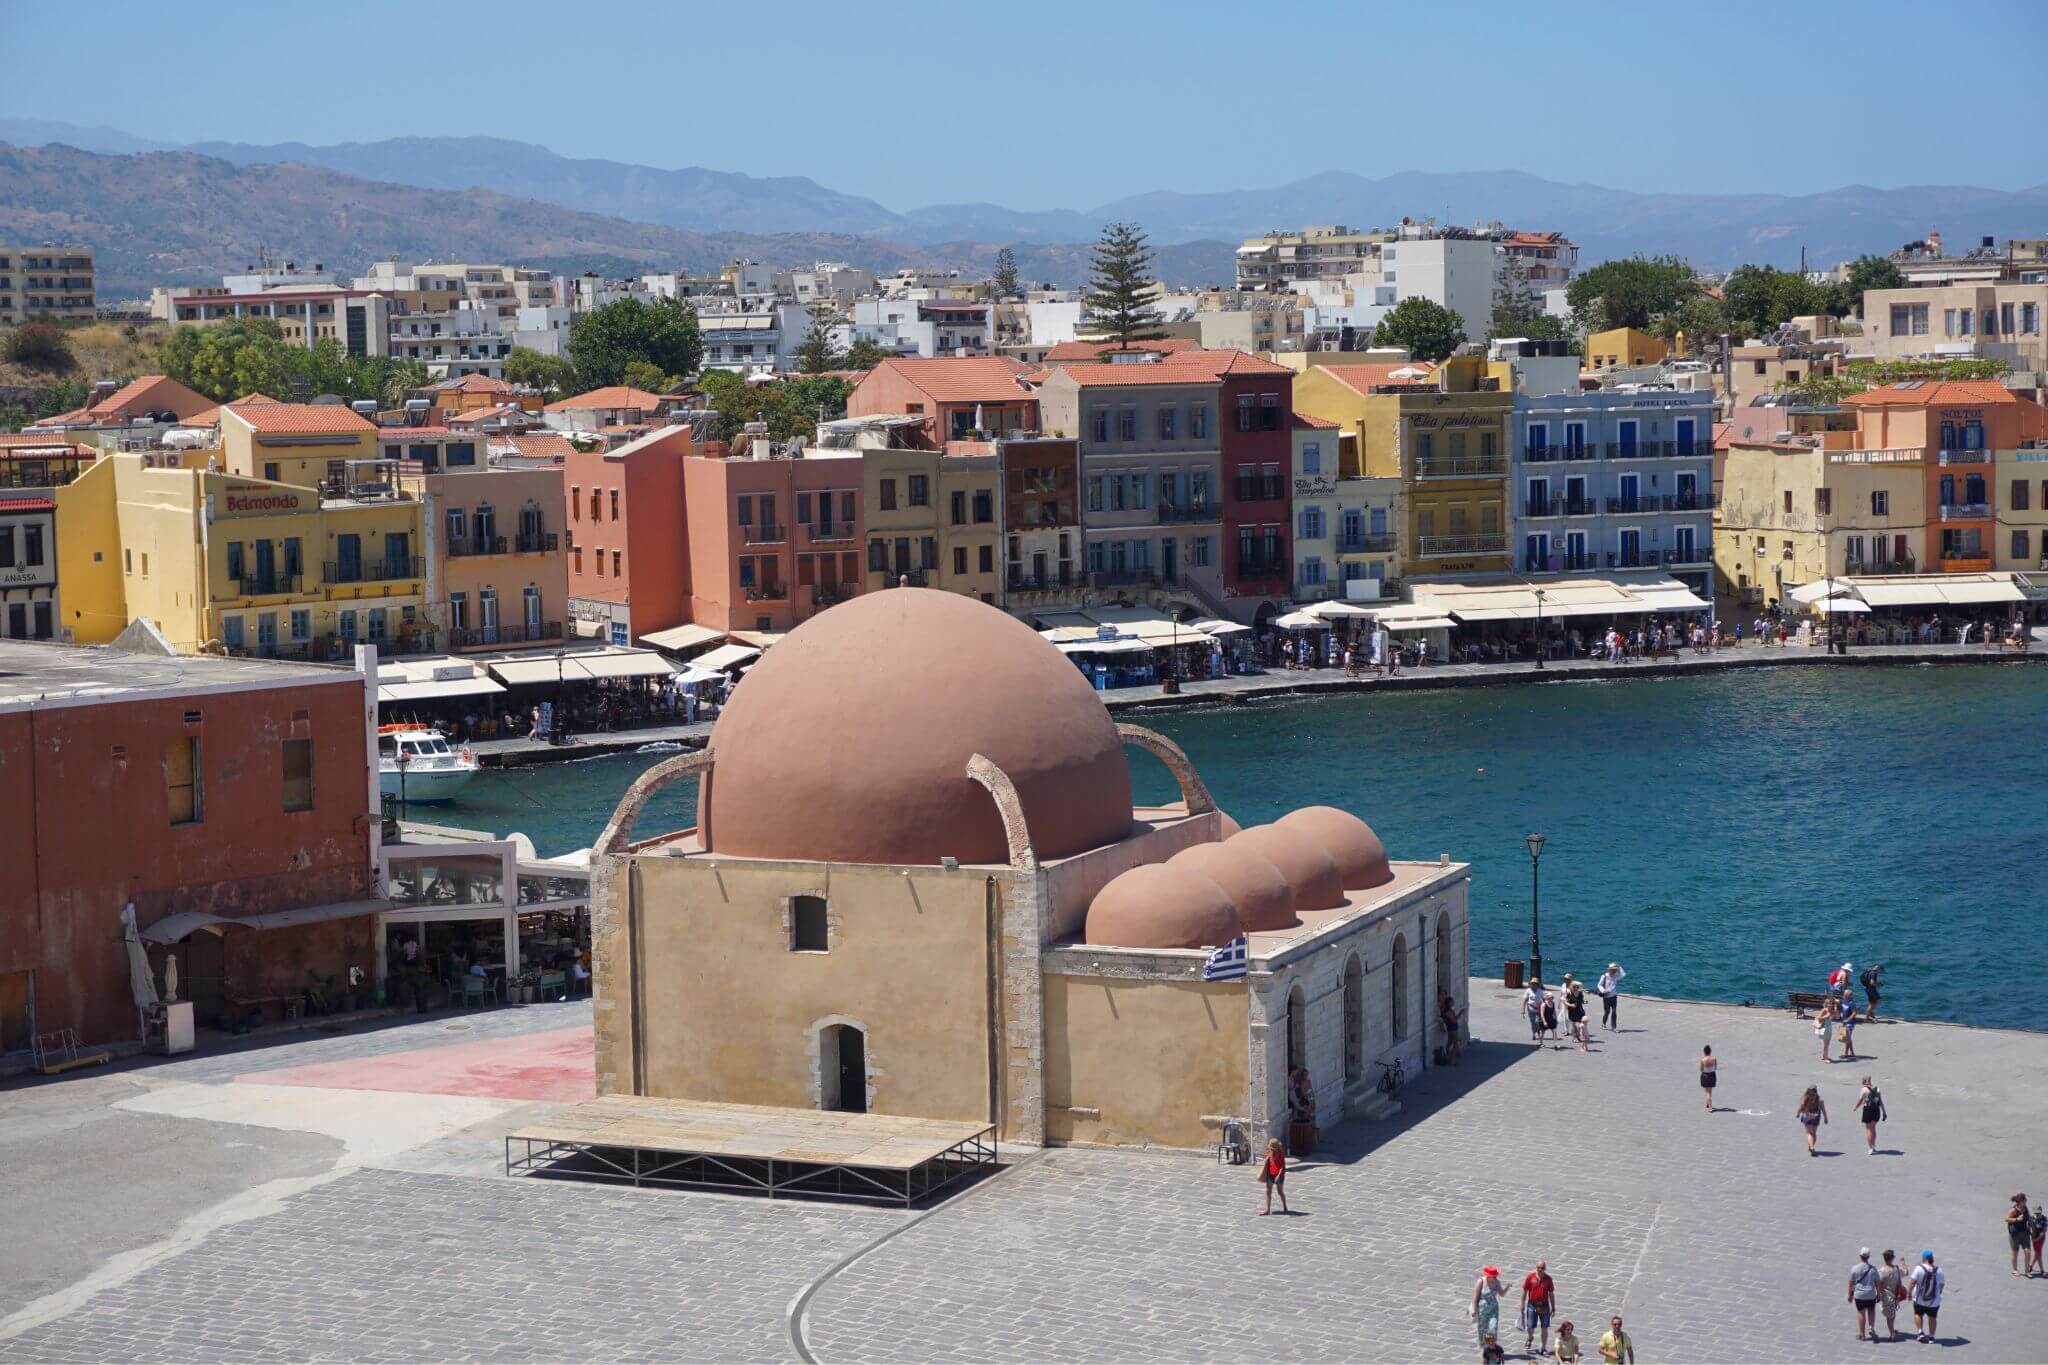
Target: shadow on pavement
{"type": "Point", "coordinates": [1355, 1138]}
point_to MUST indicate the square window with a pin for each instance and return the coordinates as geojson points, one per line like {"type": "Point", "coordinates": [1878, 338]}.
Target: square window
{"type": "Point", "coordinates": [809, 929]}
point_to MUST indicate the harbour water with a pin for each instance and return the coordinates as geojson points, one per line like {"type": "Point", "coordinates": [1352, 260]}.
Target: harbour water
{"type": "Point", "coordinates": [1726, 837]}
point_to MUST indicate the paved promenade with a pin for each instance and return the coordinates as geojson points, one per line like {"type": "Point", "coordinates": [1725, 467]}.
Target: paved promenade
{"type": "Point", "coordinates": [372, 1223]}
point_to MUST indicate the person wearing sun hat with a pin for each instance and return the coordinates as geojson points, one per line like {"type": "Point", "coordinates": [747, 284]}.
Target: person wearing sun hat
{"type": "Point", "coordinates": [1485, 1310]}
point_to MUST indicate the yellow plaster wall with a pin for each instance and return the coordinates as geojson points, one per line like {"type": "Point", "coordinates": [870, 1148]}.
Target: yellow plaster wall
{"type": "Point", "coordinates": [1151, 1057]}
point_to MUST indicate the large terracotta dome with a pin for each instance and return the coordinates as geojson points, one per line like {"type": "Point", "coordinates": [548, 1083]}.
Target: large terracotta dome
{"type": "Point", "coordinates": [1311, 872]}
{"type": "Point", "coordinates": [1261, 895]}
{"type": "Point", "coordinates": [849, 740]}
{"type": "Point", "coordinates": [1161, 905]}
{"type": "Point", "coordinates": [1360, 857]}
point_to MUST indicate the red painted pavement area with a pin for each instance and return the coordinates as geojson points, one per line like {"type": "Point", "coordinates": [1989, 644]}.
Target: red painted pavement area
{"type": "Point", "coordinates": [557, 1065]}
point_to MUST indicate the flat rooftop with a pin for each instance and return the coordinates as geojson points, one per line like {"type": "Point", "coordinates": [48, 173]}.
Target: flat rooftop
{"type": "Point", "coordinates": [44, 670]}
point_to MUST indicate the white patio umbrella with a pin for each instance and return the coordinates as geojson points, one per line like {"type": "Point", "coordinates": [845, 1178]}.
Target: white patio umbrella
{"type": "Point", "coordinates": [140, 982]}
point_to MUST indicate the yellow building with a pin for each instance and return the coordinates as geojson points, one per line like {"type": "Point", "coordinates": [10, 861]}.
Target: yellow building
{"type": "Point", "coordinates": [933, 518]}
{"type": "Point", "coordinates": [497, 566]}
{"type": "Point", "coordinates": [1795, 511]}
{"type": "Point", "coordinates": [2020, 493]}
{"type": "Point", "coordinates": [1623, 346]}
{"type": "Point", "coordinates": [218, 560]}
{"type": "Point", "coordinates": [1445, 437]}
{"type": "Point", "coordinates": [308, 444]}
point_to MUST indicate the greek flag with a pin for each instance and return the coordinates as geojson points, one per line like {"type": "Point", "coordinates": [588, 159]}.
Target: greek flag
{"type": "Point", "coordinates": [1228, 962]}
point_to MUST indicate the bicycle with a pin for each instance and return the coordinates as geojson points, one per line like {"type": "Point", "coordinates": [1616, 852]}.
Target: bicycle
{"type": "Point", "coordinates": [1391, 1077]}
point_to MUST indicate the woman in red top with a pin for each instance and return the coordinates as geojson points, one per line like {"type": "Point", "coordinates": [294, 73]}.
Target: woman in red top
{"type": "Point", "coordinates": [1273, 1175]}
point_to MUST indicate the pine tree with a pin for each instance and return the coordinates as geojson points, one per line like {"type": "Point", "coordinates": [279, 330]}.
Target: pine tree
{"type": "Point", "coordinates": [1117, 305]}
{"type": "Point", "coordinates": [816, 354]}
{"type": "Point", "coordinates": [1005, 279]}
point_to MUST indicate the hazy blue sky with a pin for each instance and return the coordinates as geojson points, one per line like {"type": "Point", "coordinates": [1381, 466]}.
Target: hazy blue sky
{"type": "Point", "coordinates": [1055, 104]}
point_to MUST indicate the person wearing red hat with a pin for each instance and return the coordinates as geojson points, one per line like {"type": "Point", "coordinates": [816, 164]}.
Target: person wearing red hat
{"type": "Point", "coordinates": [1485, 1311]}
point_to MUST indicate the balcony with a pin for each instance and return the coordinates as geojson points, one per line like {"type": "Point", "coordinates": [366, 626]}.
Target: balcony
{"type": "Point", "coordinates": [1565, 563]}
{"type": "Point", "coordinates": [830, 594]}
{"type": "Point", "coordinates": [907, 578]}
{"type": "Point", "coordinates": [1261, 490]}
{"type": "Point", "coordinates": [1019, 581]}
{"type": "Point", "coordinates": [764, 535]}
{"type": "Point", "coordinates": [1371, 543]}
{"type": "Point", "coordinates": [1965, 561]}
{"type": "Point", "coordinates": [1560, 507]}
{"type": "Point", "coordinates": [1126, 578]}
{"type": "Point", "coordinates": [1954, 458]}
{"type": "Point", "coordinates": [835, 534]}
{"type": "Point", "coordinates": [539, 632]}
{"type": "Point", "coordinates": [1559, 454]}
{"type": "Point", "coordinates": [1443, 547]}
{"type": "Point", "coordinates": [1457, 466]}
{"type": "Point", "coordinates": [1858, 567]}
{"type": "Point", "coordinates": [1660, 450]}
{"type": "Point", "coordinates": [1652, 558]}
{"type": "Point", "coordinates": [1261, 566]}
{"type": "Point", "coordinates": [767, 592]}
{"type": "Point", "coordinates": [1966, 511]}
{"type": "Point", "coordinates": [1657, 502]}
{"type": "Point", "coordinates": [374, 571]}
{"type": "Point", "coordinates": [1171, 513]}
{"type": "Point", "coordinates": [267, 585]}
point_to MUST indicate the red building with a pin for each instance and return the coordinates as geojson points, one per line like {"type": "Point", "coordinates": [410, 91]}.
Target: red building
{"type": "Point", "coordinates": [215, 795]}
{"type": "Point", "coordinates": [1256, 403]}
{"type": "Point", "coordinates": [629, 568]}
{"type": "Point", "coordinates": [773, 539]}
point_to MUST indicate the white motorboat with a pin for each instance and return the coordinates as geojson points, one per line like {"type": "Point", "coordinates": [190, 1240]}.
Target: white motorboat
{"type": "Point", "coordinates": [415, 764]}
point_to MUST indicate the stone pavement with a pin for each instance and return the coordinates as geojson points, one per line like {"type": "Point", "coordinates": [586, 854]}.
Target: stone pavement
{"type": "Point", "coordinates": [1716, 1235]}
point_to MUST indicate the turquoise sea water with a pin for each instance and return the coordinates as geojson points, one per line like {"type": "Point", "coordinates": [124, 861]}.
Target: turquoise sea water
{"type": "Point", "coordinates": [1727, 838]}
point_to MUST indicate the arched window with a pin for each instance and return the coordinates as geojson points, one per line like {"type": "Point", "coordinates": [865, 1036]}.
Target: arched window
{"type": "Point", "coordinates": [1297, 1032]}
{"type": "Point", "coordinates": [1444, 964]}
{"type": "Point", "coordinates": [843, 1069]}
{"type": "Point", "coordinates": [1400, 990]}
{"type": "Point", "coordinates": [807, 928]}
{"type": "Point", "coordinates": [1354, 1020]}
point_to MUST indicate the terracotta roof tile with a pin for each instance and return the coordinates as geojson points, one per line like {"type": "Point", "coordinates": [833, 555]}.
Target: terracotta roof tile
{"type": "Point", "coordinates": [1302, 419]}
{"type": "Point", "coordinates": [1186, 367]}
{"type": "Point", "coordinates": [151, 393]}
{"type": "Point", "coordinates": [299, 419]}
{"type": "Point", "coordinates": [1362, 378]}
{"type": "Point", "coordinates": [962, 379]}
{"type": "Point", "coordinates": [616, 396]}
{"type": "Point", "coordinates": [541, 445]}
{"type": "Point", "coordinates": [1934, 393]}
{"type": "Point", "coordinates": [1094, 350]}
{"type": "Point", "coordinates": [22, 502]}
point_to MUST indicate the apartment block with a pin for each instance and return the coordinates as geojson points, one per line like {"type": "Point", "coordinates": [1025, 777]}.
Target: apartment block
{"type": "Point", "coordinates": [46, 281]}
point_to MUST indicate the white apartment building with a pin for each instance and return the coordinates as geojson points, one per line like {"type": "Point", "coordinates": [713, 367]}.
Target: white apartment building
{"type": "Point", "coordinates": [761, 339]}
{"type": "Point", "coordinates": [926, 326]}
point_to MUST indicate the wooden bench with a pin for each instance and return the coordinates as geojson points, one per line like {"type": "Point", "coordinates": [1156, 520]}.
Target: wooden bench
{"type": "Point", "coordinates": [1802, 1002]}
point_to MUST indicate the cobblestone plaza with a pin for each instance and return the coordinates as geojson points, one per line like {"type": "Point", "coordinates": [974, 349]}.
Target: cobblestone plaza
{"type": "Point", "coordinates": [240, 1206]}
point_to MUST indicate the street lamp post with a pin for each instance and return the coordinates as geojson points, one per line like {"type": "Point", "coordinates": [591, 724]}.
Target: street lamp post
{"type": "Point", "coordinates": [1535, 842]}
{"type": "Point", "coordinates": [1541, 643]}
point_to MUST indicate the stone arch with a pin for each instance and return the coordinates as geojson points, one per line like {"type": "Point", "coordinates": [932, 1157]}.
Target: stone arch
{"type": "Point", "coordinates": [613, 840]}
{"type": "Point", "coordinates": [824, 1038]}
{"type": "Point", "coordinates": [1001, 790]}
{"type": "Point", "coordinates": [1193, 791]}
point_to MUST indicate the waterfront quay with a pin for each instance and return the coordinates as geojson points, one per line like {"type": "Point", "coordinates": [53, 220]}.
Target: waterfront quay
{"type": "Point", "coordinates": [343, 1196]}
{"type": "Point", "coordinates": [1287, 682]}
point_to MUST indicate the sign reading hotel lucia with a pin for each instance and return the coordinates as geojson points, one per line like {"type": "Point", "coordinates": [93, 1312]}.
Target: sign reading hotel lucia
{"type": "Point", "coordinates": [256, 500]}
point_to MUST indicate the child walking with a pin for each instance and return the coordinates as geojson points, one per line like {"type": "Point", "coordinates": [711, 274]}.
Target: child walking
{"type": "Point", "coordinates": [1273, 1175]}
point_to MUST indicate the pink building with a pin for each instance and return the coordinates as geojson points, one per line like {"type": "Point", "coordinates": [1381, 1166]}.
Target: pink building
{"type": "Point", "coordinates": [772, 540]}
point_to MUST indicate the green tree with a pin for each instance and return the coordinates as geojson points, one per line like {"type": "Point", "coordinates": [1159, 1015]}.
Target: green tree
{"type": "Point", "coordinates": [815, 398]}
{"type": "Point", "coordinates": [646, 376]}
{"type": "Point", "coordinates": [39, 346]}
{"type": "Point", "coordinates": [1822, 390]}
{"type": "Point", "coordinates": [1427, 330]}
{"type": "Point", "coordinates": [63, 396]}
{"type": "Point", "coordinates": [1004, 281]}
{"type": "Point", "coordinates": [1518, 310]}
{"type": "Point", "coordinates": [663, 333]}
{"type": "Point", "coordinates": [1874, 272]}
{"type": "Point", "coordinates": [1118, 304]}
{"type": "Point", "coordinates": [1693, 323]}
{"type": "Point", "coordinates": [817, 354]}
{"type": "Point", "coordinates": [1760, 298]}
{"type": "Point", "coordinates": [864, 355]}
{"type": "Point", "coordinates": [553, 374]}
{"type": "Point", "coordinates": [1631, 292]}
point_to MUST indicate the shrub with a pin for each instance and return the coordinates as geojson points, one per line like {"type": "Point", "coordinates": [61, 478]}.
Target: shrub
{"type": "Point", "coordinates": [40, 346]}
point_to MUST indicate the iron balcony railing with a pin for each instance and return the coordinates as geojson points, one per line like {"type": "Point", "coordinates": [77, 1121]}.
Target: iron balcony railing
{"type": "Point", "coordinates": [1458, 466]}
{"type": "Point", "coordinates": [1906, 564]}
{"type": "Point", "coordinates": [767, 592]}
{"type": "Point", "coordinates": [1261, 566]}
{"type": "Point", "coordinates": [764, 534]}
{"type": "Point", "coordinates": [1965, 511]}
{"type": "Point", "coordinates": [828, 534]}
{"type": "Point", "coordinates": [907, 578]}
{"type": "Point", "coordinates": [1559, 563]}
{"type": "Point", "coordinates": [1051, 582]}
{"type": "Point", "coordinates": [1560, 507]}
{"type": "Point", "coordinates": [1964, 559]}
{"type": "Point", "coordinates": [1554, 454]}
{"type": "Point", "coordinates": [267, 585]}
{"type": "Point", "coordinates": [1121, 578]}
{"type": "Point", "coordinates": [1438, 547]}
{"type": "Point", "coordinates": [1173, 512]}
{"type": "Point", "coordinates": [1371, 542]}
{"type": "Point", "coordinates": [1651, 558]}
{"type": "Point", "coordinates": [1261, 490]}
{"type": "Point", "coordinates": [1658, 502]}
{"type": "Point", "coordinates": [831, 594]}
{"type": "Point", "coordinates": [374, 570]}
{"type": "Point", "coordinates": [1965, 457]}
{"type": "Point", "coordinates": [520, 633]}
{"type": "Point", "coordinates": [1659, 450]}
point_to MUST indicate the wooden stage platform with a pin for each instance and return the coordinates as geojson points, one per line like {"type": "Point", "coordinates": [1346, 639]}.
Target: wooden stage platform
{"type": "Point", "coordinates": [744, 1148]}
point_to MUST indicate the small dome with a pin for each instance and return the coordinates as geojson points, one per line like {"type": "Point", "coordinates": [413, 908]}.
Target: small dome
{"type": "Point", "coordinates": [1360, 857]}
{"type": "Point", "coordinates": [849, 741]}
{"type": "Point", "coordinates": [1310, 872]}
{"type": "Point", "coordinates": [1261, 895]}
{"type": "Point", "coordinates": [1155, 905]}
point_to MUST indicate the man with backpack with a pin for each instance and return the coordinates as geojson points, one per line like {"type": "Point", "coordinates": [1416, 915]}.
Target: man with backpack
{"type": "Point", "coordinates": [1871, 979]}
{"type": "Point", "coordinates": [1929, 1280]}
{"type": "Point", "coordinates": [1863, 1295]}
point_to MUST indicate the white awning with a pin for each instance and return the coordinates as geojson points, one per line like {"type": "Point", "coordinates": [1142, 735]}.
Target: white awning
{"type": "Point", "coordinates": [1677, 597]}
{"type": "Point", "coordinates": [725, 656]}
{"type": "Point", "coordinates": [692, 676]}
{"type": "Point", "coordinates": [1897, 592]}
{"type": "Point", "coordinates": [1212, 625]}
{"type": "Point", "coordinates": [1106, 646]}
{"type": "Point", "coordinates": [1841, 604]}
{"type": "Point", "coordinates": [1937, 590]}
{"type": "Point", "coordinates": [435, 689]}
{"type": "Point", "coordinates": [1977, 594]}
{"type": "Point", "coordinates": [174, 928]}
{"type": "Point", "coordinates": [1819, 588]}
{"type": "Point", "coordinates": [581, 666]}
{"type": "Point", "coordinates": [1331, 611]}
{"type": "Point", "coordinates": [1143, 622]}
{"type": "Point", "coordinates": [759, 639]}
{"type": "Point", "coordinates": [1420, 623]}
{"type": "Point", "coordinates": [1300, 620]}
{"type": "Point", "coordinates": [682, 637]}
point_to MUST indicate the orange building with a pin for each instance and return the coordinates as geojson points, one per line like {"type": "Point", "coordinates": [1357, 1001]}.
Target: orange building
{"type": "Point", "coordinates": [961, 398]}
{"type": "Point", "coordinates": [773, 540]}
{"type": "Point", "coordinates": [629, 570]}
{"type": "Point", "coordinates": [1959, 424]}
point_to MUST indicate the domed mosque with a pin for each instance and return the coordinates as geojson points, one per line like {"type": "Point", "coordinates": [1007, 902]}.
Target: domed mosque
{"type": "Point", "coordinates": [918, 886]}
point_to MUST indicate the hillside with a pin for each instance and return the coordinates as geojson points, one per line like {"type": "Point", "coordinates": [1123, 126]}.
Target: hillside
{"type": "Point", "coordinates": [179, 218]}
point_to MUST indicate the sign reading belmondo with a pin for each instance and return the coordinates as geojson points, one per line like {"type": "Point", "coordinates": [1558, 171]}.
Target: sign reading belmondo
{"type": "Point", "coordinates": [255, 500]}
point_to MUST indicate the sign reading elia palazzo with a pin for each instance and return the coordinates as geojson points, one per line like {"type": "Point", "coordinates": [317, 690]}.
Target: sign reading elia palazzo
{"type": "Point", "coordinates": [258, 500]}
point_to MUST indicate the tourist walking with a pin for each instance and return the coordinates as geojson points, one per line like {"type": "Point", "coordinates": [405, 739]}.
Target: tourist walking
{"type": "Point", "coordinates": [1566, 1349]}
{"type": "Point", "coordinates": [1863, 1295]}
{"type": "Point", "coordinates": [1929, 1280]}
{"type": "Point", "coordinates": [1485, 1309]}
{"type": "Point", "coordinates": [1273, 1175]}
{"type": "Point", "coordinates": [1891, 1287]}
{"type": "Point", "coordinates": [1710, 1074]}
{"type": "Point", "coordinates": [1615, 1346]}
{"type": "Point", "coordinates": [1550, 1016]}
{"type": "Point", "coordinates": [1873, 980]}
{"type": "Point", "coordinates": [1447, 1015]}
{"type": "Point", "coordinates": [2019, 1233]}
{"type": "Point", "coordinates": [1838, 981]}
{"type": "Point", "coordinates": [1532, 1006]}
{"type": "Point", "coordinates": [1575, 1009]}
{"type": "Point", "coordinates": [1539, 1295]}
{"type": "Point", "coordinates": [2039, 1228]}
{"type": "Point", "coordinates": [1870, 1107]}
{"type": "Point", "coordinates": [1813, 1112]}
{"type": "Point", "coordinates": [1847, 1020]}
{"type": "Point", "coordinates": [1609, 989]}
{"type": "Point", "coordinates": [1824, 1027]}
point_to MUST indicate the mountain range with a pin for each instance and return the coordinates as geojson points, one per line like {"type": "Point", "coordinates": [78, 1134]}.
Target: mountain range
{"type": "Point", "coordinates": [525, 197]}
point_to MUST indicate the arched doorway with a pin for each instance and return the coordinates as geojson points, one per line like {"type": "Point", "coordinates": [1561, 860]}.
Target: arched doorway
{"type": "Point", "coordinates": [1297, 1032]}
{"type": "Point", "coordinates": [843, 1069]}
{"type": "Point", "coordinates": [1445, 966]}
{"type": "Point", "coordinates": [1354, 1020]}
{"type": "Point", "coordinates": [1399, 993]}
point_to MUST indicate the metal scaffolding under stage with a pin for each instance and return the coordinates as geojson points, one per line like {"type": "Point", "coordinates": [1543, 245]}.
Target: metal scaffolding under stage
{"type": "Point", "coordinates": [636, 1140]}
